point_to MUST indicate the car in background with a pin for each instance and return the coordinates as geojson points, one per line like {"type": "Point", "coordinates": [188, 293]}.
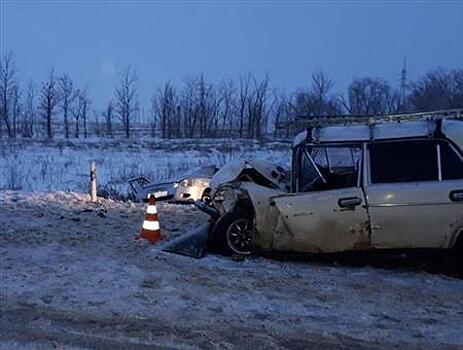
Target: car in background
{"type": "Point", "coordinates": [189, 187]}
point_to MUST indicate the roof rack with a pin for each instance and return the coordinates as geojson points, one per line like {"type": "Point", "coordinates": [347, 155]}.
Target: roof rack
{"type": "Point", "coordinates": [315, 123]}
{"type": "Point", "coordinates": [327, 120]}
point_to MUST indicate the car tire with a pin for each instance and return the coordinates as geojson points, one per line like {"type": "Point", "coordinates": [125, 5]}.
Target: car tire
{"type": "Point", "coordinates": [234, 233]}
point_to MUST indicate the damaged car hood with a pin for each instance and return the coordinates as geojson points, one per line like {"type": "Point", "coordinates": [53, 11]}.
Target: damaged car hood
{"type": "Point", "coordinates": [262, 172]}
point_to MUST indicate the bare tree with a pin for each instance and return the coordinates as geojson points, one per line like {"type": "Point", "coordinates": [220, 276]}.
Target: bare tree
{"type": "Point", "coordinates": [321, 86]}
{"type": "Point", "coordinates": [438, 89]}
{"type": "Point", "coordinates": [29, 110]}
{"type": "Point", "coordinates": [245, 83]}
{"type": "Point", "coordinates": [79, 110]}
{"type": "Point", "coordinates": [216, 100]}
{"type": "Point", "coordinates": [201, 102]}
{"type": "Point", "coordinates": [67, 96]}
{"type": "Point", "coordinates": [76, 110]}
{"type": "Point", "coordinates": [165, 105]}
{"type": "Point", "coordinates": [189, 106]}
{"type": "Point", "coordinates": [84, 102]}
{"type": "Point", "coordinates": [126, 100]}
{"type": "Point", "coordinates": [108, 117]}
{"type": "Point", "coordinates": [8, 88]}
{"type": "Point", "coordinates": [204, 105]}
{"type": "Point", "coordinates": [283, 114]}
{"type": "Point", "coordinates": [49, 100]}
{"type": "Point", "coordinates": [227, 91]}
{"type": "Point", "coordinates": [155, 113]}
{"type": "Point", "coordinates": [372, 96]}
{"type": "Point", "coordinates": [97, 123]}
{"type": "Point", "coordinates": [317, 100]}
{"type": "Point", "coordinates": [16, 110]}
{"type": "Point", "coordinates": [256, 104]}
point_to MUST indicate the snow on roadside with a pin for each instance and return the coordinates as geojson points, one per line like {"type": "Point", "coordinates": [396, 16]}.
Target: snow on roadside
{"type": "Point", "coordinates": [59, 252]}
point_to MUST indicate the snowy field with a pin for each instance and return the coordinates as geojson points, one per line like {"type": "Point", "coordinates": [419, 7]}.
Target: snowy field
{"type": "Point", "coordinates": [62, 165]}
{"type": "Point", "coordinates": [72, 277]}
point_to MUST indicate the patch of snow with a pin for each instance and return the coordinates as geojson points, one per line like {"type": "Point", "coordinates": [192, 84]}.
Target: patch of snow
{"type": "Point", "coordinates": [59, 255]}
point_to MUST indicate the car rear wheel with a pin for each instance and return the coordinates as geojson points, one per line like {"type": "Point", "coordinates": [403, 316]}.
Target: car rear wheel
{"type": "Point", "coordinates": [235, 232]}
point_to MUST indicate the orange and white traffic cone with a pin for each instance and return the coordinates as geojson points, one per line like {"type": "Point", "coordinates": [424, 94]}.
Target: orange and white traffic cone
{"type": "Point", "coordinates": [151, 230]}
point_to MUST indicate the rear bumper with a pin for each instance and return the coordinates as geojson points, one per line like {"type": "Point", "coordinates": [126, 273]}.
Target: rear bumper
{"type": "Point", "coordinates": [143, 188]}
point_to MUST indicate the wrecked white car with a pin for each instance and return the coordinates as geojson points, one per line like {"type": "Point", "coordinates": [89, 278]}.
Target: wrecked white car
{"type": "Point", "coordinates": [186, 188]}
{"type": "Point", "coordinates": [388, 185]}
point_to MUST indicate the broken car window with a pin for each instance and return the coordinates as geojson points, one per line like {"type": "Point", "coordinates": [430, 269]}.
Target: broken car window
{"type": "Point", "coordinates": [309, 174]}
{"type": "Point", "coordinates": [336, 166]}
{"type": "Point", "coordinates": [451, 162]}
{"type": "Point", "coordinates": [341, 167]}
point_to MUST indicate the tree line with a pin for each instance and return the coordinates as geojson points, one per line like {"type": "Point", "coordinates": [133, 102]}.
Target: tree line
{"type": "Point", "coordinates": [247, 107]}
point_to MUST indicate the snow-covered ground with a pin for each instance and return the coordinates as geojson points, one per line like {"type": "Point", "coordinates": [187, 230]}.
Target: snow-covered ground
{"type": "Point", "coordinates": [62, 165]}
{"type": "Point", "coordinates": [73, 277]}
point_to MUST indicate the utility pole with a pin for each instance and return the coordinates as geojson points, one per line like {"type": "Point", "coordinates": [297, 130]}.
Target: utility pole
{"type": "Point", "coordinates": [403, 87]}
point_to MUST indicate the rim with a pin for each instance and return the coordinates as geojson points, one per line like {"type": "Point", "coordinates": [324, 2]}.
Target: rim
{"type": "Point", "coordinates": [206, 197]}
{"type": "Point", "coordinates": [239, 236]}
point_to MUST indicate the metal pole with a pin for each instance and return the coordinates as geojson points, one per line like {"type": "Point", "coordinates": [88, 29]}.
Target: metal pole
{"type": "Point", "coordinates": [93, 181]}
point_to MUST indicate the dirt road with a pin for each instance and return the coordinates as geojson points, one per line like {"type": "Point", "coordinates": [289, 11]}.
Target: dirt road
{"type": "Point", "coordinates": [72, 277]}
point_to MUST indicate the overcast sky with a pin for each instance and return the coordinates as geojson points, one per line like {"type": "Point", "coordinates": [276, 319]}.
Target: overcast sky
{"type": "Point", "coordinates": [168, 40]}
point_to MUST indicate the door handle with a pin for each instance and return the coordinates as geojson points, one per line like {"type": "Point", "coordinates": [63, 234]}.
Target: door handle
{"type": "Point", "coordinates": [349, 202]}
{"type": "Point", "coordinates": [456, 196]}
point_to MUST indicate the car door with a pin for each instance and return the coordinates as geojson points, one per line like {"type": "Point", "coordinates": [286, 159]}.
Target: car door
{"type": "Point", "coordinates": [414, 193]}
{"type": "Point", "coordinates": [329, 215]}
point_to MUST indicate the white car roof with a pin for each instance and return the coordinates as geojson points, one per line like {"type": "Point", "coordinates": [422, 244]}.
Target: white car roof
{"type": "Point", "coordinates": [452, 128]}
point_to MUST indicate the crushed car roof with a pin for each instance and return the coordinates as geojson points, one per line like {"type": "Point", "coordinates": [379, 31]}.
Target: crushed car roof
{"type": "Point", "coordinates": [451, 128]}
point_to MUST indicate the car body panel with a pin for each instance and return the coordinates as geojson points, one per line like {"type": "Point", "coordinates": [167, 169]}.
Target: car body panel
{"type": "Point", "coordinates": [309, 222]}
{"type": "Point", "coordinates": [266, 216]}
{"type": "Point", "coordinates": [315, 222]}
{"type": "Point", "coordinates": [414, 215]}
